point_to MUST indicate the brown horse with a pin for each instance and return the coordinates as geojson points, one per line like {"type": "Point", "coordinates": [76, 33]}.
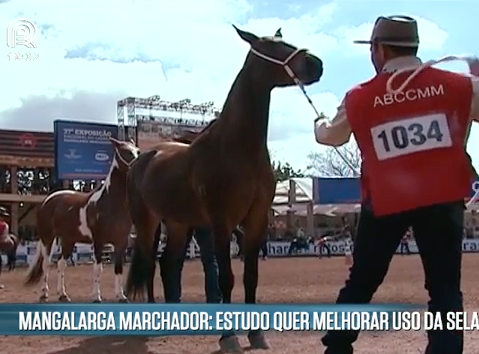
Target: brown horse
{"type": "Point", "coordinates": [187, 137]}
{"type": "Point", "coordinates": [99, 217]}
{"type": "Point", "coordinates": [223, 179]}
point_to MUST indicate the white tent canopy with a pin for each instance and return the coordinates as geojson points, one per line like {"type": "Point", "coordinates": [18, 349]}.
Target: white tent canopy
{"type": "Point", "coordinates": [304, 191]}
{"type": "Point", "coordinates": [304, 195]}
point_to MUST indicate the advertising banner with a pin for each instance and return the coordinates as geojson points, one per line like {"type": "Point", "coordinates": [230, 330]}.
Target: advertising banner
{"type": "Point", "coordinates": [83, 150]}
{"type": "Point", "coordinates": [340, 190]}
{"type": "Point", "coordinates": [150, 133]}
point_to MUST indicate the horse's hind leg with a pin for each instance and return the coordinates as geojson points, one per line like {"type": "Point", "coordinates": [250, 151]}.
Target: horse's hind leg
{"type": "Point", "coordinates": [150, 286]}
{"type": "Point", "coordinates": [67, 249]}
{"type": "Point", "coordinates": [255, 232]}
{"type": "Point", "coordinates": [171, 261]}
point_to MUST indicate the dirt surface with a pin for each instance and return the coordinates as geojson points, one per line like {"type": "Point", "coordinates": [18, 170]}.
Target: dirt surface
{"type": "Point", "coordinates": [293, 280]}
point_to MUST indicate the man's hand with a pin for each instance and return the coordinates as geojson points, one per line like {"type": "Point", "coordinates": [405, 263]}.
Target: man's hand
{"type": "Point", "coordinates": [473, 66]}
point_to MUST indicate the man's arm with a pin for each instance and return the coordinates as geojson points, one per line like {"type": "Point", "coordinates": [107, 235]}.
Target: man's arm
{"type": "Point", "coordinates": [474, 70]}
{"type": "Point", "coordinates": [335, 132]}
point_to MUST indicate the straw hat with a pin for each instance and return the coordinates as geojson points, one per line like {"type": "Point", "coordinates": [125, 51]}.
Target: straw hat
{"type": "Point", "coordinates": [400, 31]}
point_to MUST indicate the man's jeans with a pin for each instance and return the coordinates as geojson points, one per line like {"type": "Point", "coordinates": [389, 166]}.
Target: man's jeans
{"type": "Point", "coordinates": [438, 233]}
{"type": "Point", "coordinates": [204, 239]}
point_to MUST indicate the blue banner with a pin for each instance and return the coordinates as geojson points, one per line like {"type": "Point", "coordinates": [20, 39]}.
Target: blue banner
{"type": "Point", "coordinates": [346, 190]}
{"type": "Point", "coordinates": [198, 319]}
{"type": "Point", "coordinates": [83, 150]}
{"type": "Point", "coordinates": [336, 190]}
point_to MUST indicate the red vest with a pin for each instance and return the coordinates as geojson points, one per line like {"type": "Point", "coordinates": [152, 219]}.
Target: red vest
{"type": "Point", "coordinates": [413, 141]}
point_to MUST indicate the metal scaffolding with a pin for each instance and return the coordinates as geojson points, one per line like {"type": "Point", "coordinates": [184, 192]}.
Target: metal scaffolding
{"type": "Point", "coordinates": [156, 107]}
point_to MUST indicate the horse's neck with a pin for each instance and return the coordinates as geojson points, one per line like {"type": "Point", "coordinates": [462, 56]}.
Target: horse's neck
{"type": "Point", "coordinates": [245, 113]}
{"type": "Point", "coordinates": [114, 186]}
{"type": "Point", "coordinates": [118, 183]}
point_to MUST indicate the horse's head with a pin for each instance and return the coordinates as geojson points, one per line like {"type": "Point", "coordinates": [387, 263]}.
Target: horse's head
{"type": "Point", "coordinates": [279, 63]}
{"type": "Point", "coordinates": [125, 153]}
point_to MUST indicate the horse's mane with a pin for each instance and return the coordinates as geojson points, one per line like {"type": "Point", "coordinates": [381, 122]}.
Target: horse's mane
{"type": "Point", "coordinates": [192, 134]}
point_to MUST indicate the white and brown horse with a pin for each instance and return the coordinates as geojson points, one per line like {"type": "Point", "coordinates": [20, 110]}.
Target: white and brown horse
{"type": "Point", "coordinates": [100, 217]}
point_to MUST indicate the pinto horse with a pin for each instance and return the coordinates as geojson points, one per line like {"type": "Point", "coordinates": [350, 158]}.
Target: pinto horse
{"type": "Point", "coordinates": [222, 179]}
{"type": "Point", "coordinates": [99, 217]}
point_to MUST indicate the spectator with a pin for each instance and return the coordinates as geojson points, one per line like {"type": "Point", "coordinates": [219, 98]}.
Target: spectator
{"type": "Point", "coordinates": [405, 242]}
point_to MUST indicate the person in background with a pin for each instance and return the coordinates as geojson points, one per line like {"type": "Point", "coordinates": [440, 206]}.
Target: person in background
{"type": "Point", "coordinates": [72, 260]}
{"type": "Point", "coordinates": [238, 234]}
{"type": "Point", "coordinates": [415, 172]}
{"type": "Point", "coordinates": [8, 242]}
{"type": "Point", "coordinates": [204, 239]}
{"type": "Point", "coordinates": [5, 239]}
{"type": "Point", "coordinates": [405, 242]}
{"type": "Point", "coordinates": [298, 242]}
{"type": "Point", "coordinates": [264, 248]}
{"type": "Point", "coordinates": [323, 245]}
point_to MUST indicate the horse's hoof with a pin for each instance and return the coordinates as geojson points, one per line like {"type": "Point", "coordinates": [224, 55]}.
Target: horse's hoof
{"type": "Point", "coordinates": [97, 301]}
{"type": "Point", "coordinates": [123, 300]}
{"type": "Point", "coordinates": [257, 340]}
{"type": "Point", "coordinates": [151, 301]}
{"type": "Point", "coordinates": [230, 345]}
{"type": "Point", "coordinates": [43, 299]}
{"type": "Point", "coordinates": [2, 286]}
{"type": "Point", "coordinates": [64, 298]}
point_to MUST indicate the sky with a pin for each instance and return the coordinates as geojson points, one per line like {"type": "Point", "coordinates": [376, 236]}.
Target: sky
{"type": "Point", "coordinates": [92, 53]}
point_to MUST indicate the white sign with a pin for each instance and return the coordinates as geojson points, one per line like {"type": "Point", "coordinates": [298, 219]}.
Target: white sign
{"type": "Point", "coordinates": [83, 253]}
{"type": "Point", "coordinates": [21, 32]}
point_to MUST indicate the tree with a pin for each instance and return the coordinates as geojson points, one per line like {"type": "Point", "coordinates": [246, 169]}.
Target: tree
{"type": "Point", "coordinates": [330, 163]}
{"type": "Point", "coordinates": [284, 171]}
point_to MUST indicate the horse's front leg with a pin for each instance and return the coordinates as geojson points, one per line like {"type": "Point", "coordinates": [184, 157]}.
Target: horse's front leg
{"type": "Point", "coordinates": [255, 233]}
{"type": "Point", "coordinates": [119, 258]}
{"type": "Point", "coordinates": [97, 271]}
{"type": "Point", "coordinates": [222, 234]}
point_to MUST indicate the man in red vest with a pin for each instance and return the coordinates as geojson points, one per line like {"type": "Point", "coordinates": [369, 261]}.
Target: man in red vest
{"type": "Point", "coordinates": [415, 172]}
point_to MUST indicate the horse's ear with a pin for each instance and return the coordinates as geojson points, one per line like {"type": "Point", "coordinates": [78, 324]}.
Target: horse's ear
{"type": "Point", "coordinates": [132, 141]}
{"type": "Point", "coordinates": [278, 33]}
{"type": "Point", "coordinates": [246, 36]}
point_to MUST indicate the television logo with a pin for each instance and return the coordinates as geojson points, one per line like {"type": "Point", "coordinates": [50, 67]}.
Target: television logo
{"type": "Point", "coordinates": [21, 32]}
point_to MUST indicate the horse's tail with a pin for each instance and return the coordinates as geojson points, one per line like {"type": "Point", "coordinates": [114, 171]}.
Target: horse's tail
{"type": "Point", "coordinates": [35, 271]}
{"type": "Point", "coordinates": [142, 265]}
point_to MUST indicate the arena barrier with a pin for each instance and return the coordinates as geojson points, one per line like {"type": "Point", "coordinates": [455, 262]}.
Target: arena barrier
{"type": "Point", "coordinates": [83, 253]}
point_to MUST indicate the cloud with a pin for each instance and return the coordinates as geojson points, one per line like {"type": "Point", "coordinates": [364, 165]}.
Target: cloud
{"type": "Point", "coordinates": [94, 53]}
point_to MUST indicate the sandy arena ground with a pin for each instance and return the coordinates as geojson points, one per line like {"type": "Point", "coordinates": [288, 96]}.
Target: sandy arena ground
{"type": "Point", "coordinates": [293, 280]}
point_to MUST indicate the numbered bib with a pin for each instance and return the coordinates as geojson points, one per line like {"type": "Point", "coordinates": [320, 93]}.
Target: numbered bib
{"type": "Point", "coordinates": [411, 135]}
